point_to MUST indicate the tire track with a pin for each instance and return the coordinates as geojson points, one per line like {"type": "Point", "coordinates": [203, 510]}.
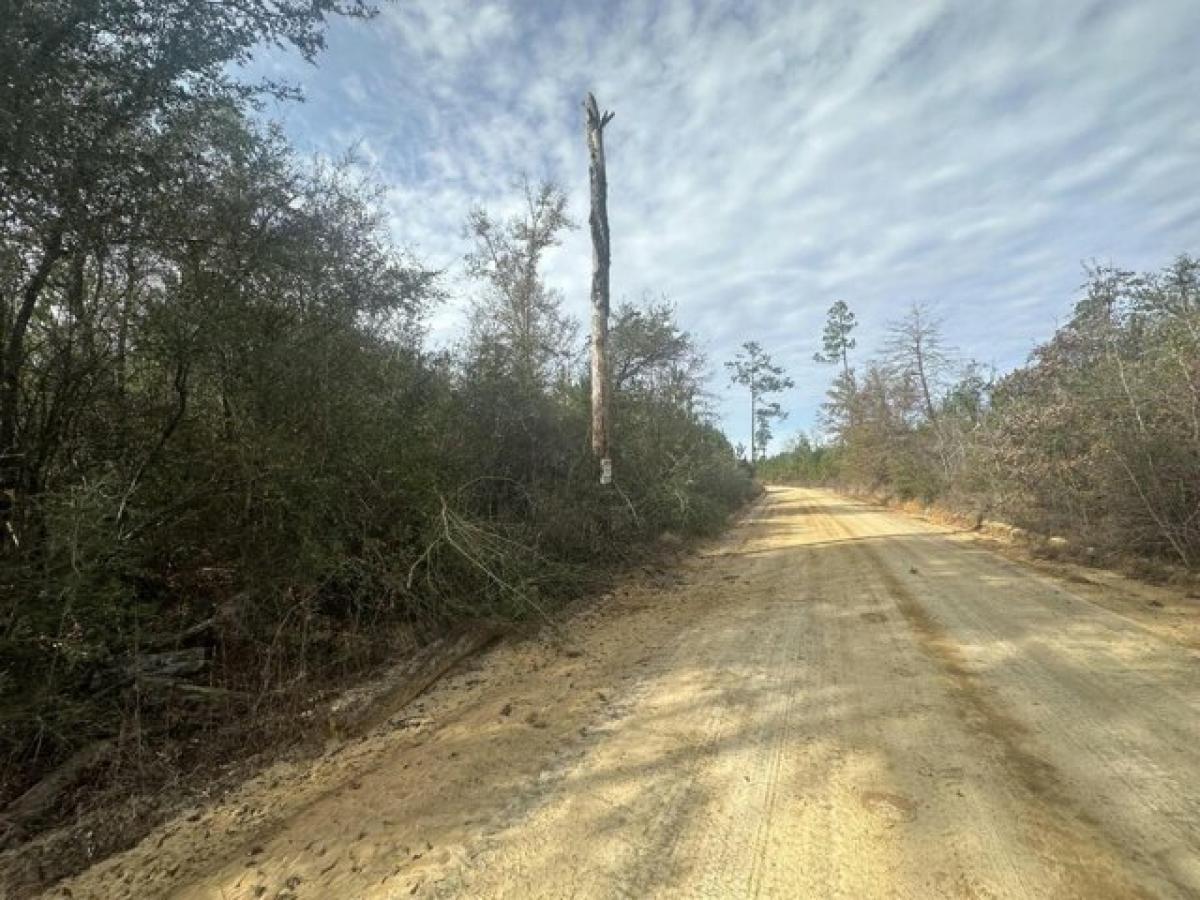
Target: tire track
{"type": "Point", "coordinates": [1090, 855]}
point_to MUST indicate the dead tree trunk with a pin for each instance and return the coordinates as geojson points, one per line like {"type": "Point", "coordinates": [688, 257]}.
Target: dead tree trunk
{"type": "Point", "coordinates": [598, 220]}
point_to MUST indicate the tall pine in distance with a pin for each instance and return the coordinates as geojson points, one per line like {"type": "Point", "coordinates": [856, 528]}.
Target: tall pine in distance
{"type": "Point", "coordinates": [754, 369]}
{"type": "Point", "coordinates": [836, 342]}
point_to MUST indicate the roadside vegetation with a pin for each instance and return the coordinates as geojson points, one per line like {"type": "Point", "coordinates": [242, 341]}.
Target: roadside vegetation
{"type": "Point", "coordinates": [1096, 437]}
{"type": "Point", "coordinates": [232, 471]}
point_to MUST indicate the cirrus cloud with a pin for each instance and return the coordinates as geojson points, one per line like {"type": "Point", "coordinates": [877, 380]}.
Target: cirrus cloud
{"type": "Point", "coordinates": [768, 158]}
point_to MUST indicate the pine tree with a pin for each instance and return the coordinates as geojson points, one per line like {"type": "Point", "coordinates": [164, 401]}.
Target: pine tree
{"type": "Point", "coordinates": [754, 369]}
{"type": "Point", "coordinates": [836, 340]}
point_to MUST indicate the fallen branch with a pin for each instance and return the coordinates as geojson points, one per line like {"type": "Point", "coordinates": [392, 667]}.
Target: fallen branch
{"type": "Point", "coordinates": [41, 798]}
{"type": "Point", "coordinates": [365, 708]}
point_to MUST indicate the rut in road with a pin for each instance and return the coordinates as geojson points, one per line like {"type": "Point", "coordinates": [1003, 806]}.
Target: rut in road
{"type": "Point", "coordinates": [832, 701]}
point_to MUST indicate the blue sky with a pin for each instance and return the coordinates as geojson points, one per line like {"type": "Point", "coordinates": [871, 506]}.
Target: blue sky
{"type": "Point", "coordinates": [769, 158]}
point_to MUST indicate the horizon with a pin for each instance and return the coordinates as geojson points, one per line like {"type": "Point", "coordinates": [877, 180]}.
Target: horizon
{"type": "Point", "coordinates": [768, 161]}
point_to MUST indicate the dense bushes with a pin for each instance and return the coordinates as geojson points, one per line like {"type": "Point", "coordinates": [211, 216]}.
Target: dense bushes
{"type": "Point", "coordinates": [1113, 404]}
{"type": "Point", "coordinates": [1096, 437]}
{"type": "Point", "coordinates": [231, 468]}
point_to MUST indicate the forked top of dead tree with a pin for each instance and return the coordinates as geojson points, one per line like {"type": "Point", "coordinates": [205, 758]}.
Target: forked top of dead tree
{"type": "Point", "coordinates": [595, 119]}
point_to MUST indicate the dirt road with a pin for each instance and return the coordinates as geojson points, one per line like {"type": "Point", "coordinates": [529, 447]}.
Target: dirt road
{"type": "Point", "coordinates": [832, 701]}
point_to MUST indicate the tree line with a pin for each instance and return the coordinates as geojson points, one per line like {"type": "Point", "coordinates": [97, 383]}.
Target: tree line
{"type": "Point", "coordinates": [231, 465]}
{"type": "Point", "coordinates": [1095, 437]}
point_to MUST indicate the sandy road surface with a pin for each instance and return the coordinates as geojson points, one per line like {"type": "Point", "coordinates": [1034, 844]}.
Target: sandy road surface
{"type": "Point", "coordinates": [833, 701]}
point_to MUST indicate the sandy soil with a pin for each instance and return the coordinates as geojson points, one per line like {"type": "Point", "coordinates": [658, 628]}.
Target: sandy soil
{"type": "Point", "coordinates": [833, 701]}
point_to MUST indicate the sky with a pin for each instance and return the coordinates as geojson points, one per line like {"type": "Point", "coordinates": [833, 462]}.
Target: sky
{"type": "Point", "coordinates": [770, 158]}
